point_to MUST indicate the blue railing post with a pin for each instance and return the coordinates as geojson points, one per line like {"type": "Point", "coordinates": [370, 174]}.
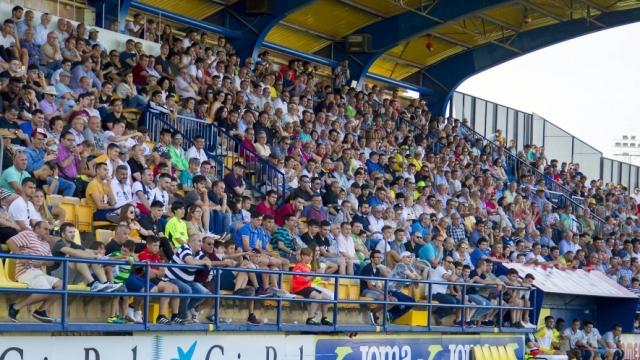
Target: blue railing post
{"type": "Point", "coordinates": [147, 276]}
{"type": "Point", "coordinates": [65, 295]}
{"type": "Point", "coordinates": [279, 302]}
{"type": "Point", "coordinates": [429, 306]}
{"type": "Point", "coordinates": [386, 301]}
{"type": "Point", "coordinates": [335, 301]}
{"type": "Point", "coordinates": [216, 323]}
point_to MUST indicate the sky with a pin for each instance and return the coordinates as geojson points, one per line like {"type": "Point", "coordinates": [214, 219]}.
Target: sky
{"type": "Point", "coordinates": [589, 86]}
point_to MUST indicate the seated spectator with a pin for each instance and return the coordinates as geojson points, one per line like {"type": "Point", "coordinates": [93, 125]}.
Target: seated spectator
{"type": "Point", "coordinates": [315, 210]}
{"type": "Point", "coordinates": [518, 297]}
{"type": "Point", "coordinates": [153, 225]}
{"type": "Point", "coordinates": [613, 347]}
{"type": "Point", "coordinates": [32, 273]}
{"type": "Point", "coordinates": [22, 211]}
{"type": "Point", "coordinates": [302, 285]}
{"type": "Point", "coordinates": [283, 240]}
{"type": "Point", "coordinates": [176, 228]}
{"type": "Point", "coordinates": [99, 195]}
{"type": "Point", "coordinates": [239, 283]}
{"type": "Point", "coordinates": [548, 338]}
{"type": "Point", "coordinates": [12, 177]}
{"type": "Point", "coordinates": [151, 254]}
{"type": "Point", "coordinates": [93, 275]}
{"type": "Point", "coordinates": [234, 182]}
{"type": "Point", "coordinates": [184, 278]}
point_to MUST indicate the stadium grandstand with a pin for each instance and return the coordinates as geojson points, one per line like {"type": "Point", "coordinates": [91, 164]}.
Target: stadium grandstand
{"type": "Point", "coordinates": [185, 175]}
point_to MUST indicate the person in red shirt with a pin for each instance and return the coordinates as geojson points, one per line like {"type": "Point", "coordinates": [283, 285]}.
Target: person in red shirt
{"type": "Point", "coordinates": [302, 285]}
{"type": "Point", "coordinates": [268, 205]}
{"type": "Point", "coordinates": [293, 207]}
{"type": "Point", "coordinates": [151, 254]}
{"type": "Point", "coordinates": [140, 72]}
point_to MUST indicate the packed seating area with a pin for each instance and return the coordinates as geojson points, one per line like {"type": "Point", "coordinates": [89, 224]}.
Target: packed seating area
{"type": "Point", "coordinates": [375, 185]}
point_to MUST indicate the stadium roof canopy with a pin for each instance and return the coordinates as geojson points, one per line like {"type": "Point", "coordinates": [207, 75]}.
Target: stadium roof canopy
{"type": "Point", "coordinates": [432, 44]}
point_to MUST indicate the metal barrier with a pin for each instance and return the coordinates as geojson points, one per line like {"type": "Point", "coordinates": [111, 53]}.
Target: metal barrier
{"type": "Point", "coordinates": [261, 175]}
{"type": "Point", "coordinates": [557, 193]}
{"type": "Point", "coordinates": [64, 323]}
{"type": "Point", "coordinates": [517, 166]}
{"type": "Point", "coordinates": [156, 121]}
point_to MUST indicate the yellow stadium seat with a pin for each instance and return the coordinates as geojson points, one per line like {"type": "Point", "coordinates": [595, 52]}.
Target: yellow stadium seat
{"type": "Point", "coordinates": [104, 236]}
{"type": "Point", "coordinates": [71, 200]}
{"type": "Point", "coordinates": [54, 199]}
{"type": "Point", "coordinates": [7, 275]}
{"type": "Point", "coordinates": [85, 223]}
{"type": "Point", "coordinates": [70, 212]}
{"type": "Point", "coordinates": [478, 354]}
{"type": "Point", "coordinates": [414, 317]}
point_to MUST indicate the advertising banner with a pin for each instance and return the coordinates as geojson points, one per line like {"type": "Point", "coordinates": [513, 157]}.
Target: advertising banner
{"type": "Point", "coordinates": [249, 346]}
{"type": "Point", "coordinates": [227, 346]}
{"type": "Point", "coordinates": [429, 347]}
{"type": "Point", "coordinates": [631, 346]}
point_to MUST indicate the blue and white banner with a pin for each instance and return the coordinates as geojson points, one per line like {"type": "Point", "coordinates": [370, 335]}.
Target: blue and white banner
{"type": "Point", "coordinates": [431, 347]}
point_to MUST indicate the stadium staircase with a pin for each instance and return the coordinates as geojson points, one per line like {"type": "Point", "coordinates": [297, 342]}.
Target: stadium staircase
{"type": "Point", "coordinates": [222, 148]}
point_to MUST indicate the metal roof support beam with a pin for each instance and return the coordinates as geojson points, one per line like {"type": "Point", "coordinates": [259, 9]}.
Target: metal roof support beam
{"type": "Point", "coordinates": [451, 40]}
{"type": "Point", "coordinates": [394, 30]}
{"type": "Point", "coordinates": [300, 55]}
{"type": "Point", "coordinates": [594, 5]}
{"type": "Point", "coordinates": [312, 32]}
{"type": "Point", "coordinates": [541, 10]}
{"type": "Point", "coordinates": [499, 22]}
{"type": "Point", "coordinates": [254, 36]}
{"type": "Point", "coordinates": [452, 71]}
{"type": "Point", "coordinates": [229, 33]}
{"type": "Point", "coordinates": [364, 8]}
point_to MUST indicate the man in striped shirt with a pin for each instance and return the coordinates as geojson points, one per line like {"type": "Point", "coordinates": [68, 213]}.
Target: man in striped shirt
{"type": "Point", "coordinates": [188, 254]}
{"type": "Point", "coordinates": [31, 272]}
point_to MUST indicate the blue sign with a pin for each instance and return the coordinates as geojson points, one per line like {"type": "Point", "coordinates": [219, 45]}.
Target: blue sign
{"type": "Point", "coordinates": [391, 347]}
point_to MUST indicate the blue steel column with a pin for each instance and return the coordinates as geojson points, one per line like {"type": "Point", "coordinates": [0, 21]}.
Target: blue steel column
{"type": "Point", "coordinates": [255, 28]}
{"type": "Point", "coordinates": [391, 31]}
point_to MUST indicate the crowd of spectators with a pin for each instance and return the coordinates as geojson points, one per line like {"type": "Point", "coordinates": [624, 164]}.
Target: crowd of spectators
{"type": "Point", "coordinates": [374, 184]}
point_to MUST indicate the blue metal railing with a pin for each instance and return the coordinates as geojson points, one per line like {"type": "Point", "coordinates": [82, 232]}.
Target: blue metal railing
{"type": "Point", "coordinates": [223, 148]}
{"type": "Point", "coordinates": [66, 324]}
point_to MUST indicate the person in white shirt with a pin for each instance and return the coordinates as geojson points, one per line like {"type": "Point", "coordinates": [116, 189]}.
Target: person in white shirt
{"type": "Point", "coordinates": [120, 187]}
{"type": "Point", "coordinates": [134, 28]}
{"type": "Point", "coordinates": [197, 149]}
{"type": "Point", "coordinates": [22, 210]}
{"type": "Point", "coordinates": [42, 30]}
{"type": "Point", "coordinates": [576, 340]}
{"type": "Point", "coordinates": [141, 191]}
{"type": "Point", "coordinates": [160, 192]}
{"type": "Point", "coordinates": [346, 247]}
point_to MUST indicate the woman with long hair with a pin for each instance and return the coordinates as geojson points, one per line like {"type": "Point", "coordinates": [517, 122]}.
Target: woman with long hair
{"type": "Point", "coordinates": [194, 221]}
{"type": "Point", "coordinates": [54, 215]}
{"type": "Point", "coordinates": [128, 217]}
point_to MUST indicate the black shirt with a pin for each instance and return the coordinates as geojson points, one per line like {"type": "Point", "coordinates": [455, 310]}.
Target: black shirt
{"type": "Point", "coordinates": [110, 119]}
{"type": "Point", "coordinates": [311, 241]}
{"type": "Point", "coordinates": [136, 166]}
{"type": "Point", "coordinates": [148, 223]}
{"type": "Point", "coordinates": [56, 251]}
{"type": "Point", "coordinates": [368, 271]}
{"type": "Point", "coordinates": [112, 246]}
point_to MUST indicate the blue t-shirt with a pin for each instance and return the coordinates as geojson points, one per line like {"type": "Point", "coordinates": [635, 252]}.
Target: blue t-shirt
{"type": "Point", "coordinates": [248, 231]}
{"type": "Point", "coordinates": [478, 254]}
{"type": "Point", "coordinates": [417, 227]}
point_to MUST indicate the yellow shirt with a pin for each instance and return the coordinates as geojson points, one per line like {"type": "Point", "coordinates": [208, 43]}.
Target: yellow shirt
{"type": "Point", "coordinates": [95, 186]}
{"type": "Point", "coordinates": [417, 163]}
